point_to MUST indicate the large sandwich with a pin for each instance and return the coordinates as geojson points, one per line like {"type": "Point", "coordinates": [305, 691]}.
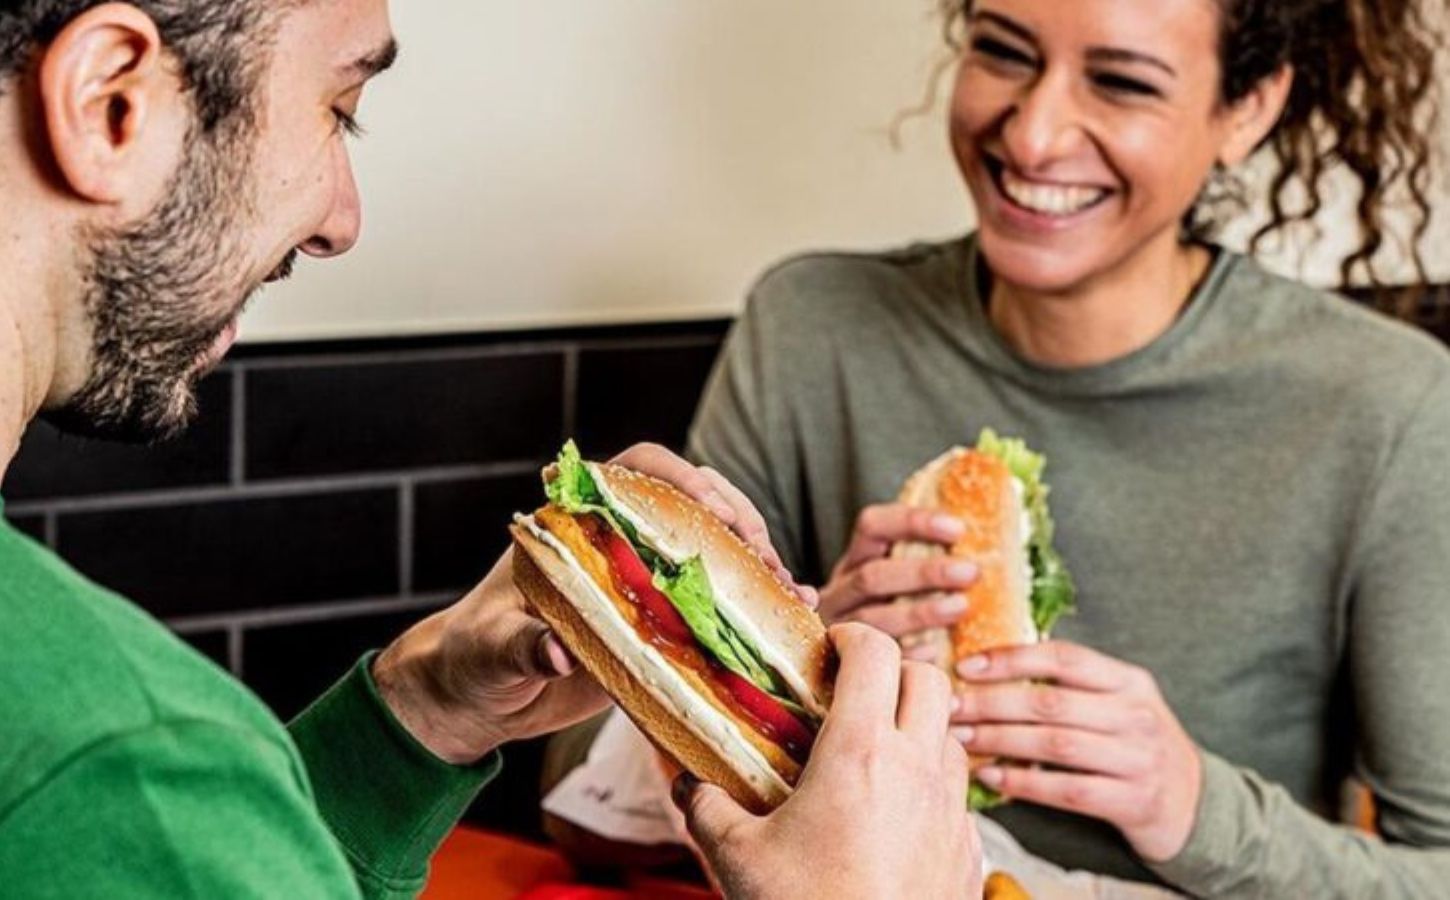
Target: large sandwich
{"type": "Point", "coordinates": [1022, 588]}
{"type": "Point", "coordinates": [690, 632]}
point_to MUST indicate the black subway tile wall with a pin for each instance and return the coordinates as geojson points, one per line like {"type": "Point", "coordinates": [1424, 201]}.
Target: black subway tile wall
{"type": "Point", "coordinates": [456, 532]}
{"type": "Point", "coordinates": [627, 394]}
{"type": "Point", "coordinates": [368, 416]}
{"type": "Point", "coordinates": [51, 464]}
{"type": "Point", "coordinates": [213, 643]}
{"type": "Point", "coordinates": [31, 525]}
{"type": "Point", "coordinates": [289, 666]}
{"type": "Point", "coordinates": [224, 555]}
{"type": "Point", "coordinates": [332, 493]}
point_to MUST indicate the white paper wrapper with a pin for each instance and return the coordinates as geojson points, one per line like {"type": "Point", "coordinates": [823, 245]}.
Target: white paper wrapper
{"type": "Point", "coordinates": [621, 793]}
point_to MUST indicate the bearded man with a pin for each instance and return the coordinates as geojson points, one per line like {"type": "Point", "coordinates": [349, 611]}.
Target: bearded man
{"type": "Point", "coordinates": [159, 162]}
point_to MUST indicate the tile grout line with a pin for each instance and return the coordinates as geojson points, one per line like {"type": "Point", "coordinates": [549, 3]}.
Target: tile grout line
{"type": "Point", "coordinates": [406, 500]}
{"type": "Point", "coordinates": [260, 490]}
{"type": "Point", "coordinates": [571, 391]}
{"type": "Point", "coordinates": [309, 613]}
{"type": "Point", "coordinates": [238, 468]}
{"type": "Point", "coordinates": [234, 649]}
{"type": "Point", "coordinates": [455, 354]}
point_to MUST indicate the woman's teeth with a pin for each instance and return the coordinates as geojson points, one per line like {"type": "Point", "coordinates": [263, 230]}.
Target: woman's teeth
{"type": "Point", "coordinates": [1052, 200]}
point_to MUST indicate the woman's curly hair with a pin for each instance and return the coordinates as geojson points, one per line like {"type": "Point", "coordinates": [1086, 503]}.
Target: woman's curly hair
{"type": "Point", "coordinates": [1364, 75]}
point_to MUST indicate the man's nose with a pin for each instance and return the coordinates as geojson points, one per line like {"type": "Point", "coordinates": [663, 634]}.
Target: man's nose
{"type": "Point", "coordinates": [339, 231]}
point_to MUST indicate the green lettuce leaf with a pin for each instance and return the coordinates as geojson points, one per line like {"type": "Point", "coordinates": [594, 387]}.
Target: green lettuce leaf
{"type": "Point", "coordinates": [688, 588]}
{"type": "Point", "coordinates": [573, 489]}
{"type": "Point", "coordinates": [980, 797]}
{"type": "Point", "coordinates": [1053, 593]}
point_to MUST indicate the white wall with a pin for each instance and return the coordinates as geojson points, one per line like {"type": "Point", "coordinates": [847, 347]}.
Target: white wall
{"type": "Point", "coordinates": [547, 162]}
{"type": "Point", "coordinates": [569, 161]}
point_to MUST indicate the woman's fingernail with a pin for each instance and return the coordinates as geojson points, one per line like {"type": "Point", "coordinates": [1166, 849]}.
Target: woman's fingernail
{"type": "Point", "coordinates": [991, 776]}
{"type": "Point", "coordinates": [964, 733]}
{"type": "Point", "coordinates": [956, 706]}
{"type": "Point", "coordinates": [952, 605]}
{"type": "Point", "coordinates": [948, 527]}
{"type": "Point", "coordinates": [961, 573]}
{"type": "Point", "coordinates": [921, 652]}
{"type": "Point", "coordinates": [972, 665]}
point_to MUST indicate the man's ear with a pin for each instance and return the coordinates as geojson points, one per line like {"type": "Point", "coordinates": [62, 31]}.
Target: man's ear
{"type": "Point", "coordinates": [101, 82]}
{"type": "Point", "coordinates": [1253, 117]}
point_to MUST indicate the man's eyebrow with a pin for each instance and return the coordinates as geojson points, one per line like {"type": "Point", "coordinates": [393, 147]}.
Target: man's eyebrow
{"type": "Point", "coordinates": [375, 62]}
{"type": "Point", "coordinates": [1120, 54]}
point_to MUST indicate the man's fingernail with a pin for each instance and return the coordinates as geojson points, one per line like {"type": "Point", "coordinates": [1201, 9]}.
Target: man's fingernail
{"type": "Point", "coordinates": [553, 658]}
{"type": "Point", "coordinates": [973, 665]}
{"type": "Point", "coordinates": [952, 605]}
{"type": "Point", "coordinates": [961, 573]}
{"type": "Point", "coordinates": [683, 787]}
{"type": "Point", "coordinates": [948, 527]}
{"type": "Point", "coordinates": [990, 776]}
{"type": "Point", "coordinates": [964, 733]}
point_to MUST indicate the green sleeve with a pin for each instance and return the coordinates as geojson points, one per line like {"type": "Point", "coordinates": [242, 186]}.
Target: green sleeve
{"type": "Point", "coordinates": [386, 798]}
{"type": "Point", "coordinates": [741, 429]}
{"type": "Point", "coordinates": [1251, 839]}
{"type": "Point", "coordinates": [181, 809]}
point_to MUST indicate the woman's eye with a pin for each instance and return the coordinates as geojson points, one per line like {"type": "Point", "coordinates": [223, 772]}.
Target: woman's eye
{"type": "Point", "coordinates": [995, 49]}
{"type": "Point", "coordinates": [347, 123]}
{"type": "Point", "coordinates": [1121, 84]}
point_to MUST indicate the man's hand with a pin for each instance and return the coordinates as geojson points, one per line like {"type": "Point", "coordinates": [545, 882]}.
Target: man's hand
{"type": "Point", "coordinates": [881, 809]}
{"type": "Point", "coordinates": [485, 671]}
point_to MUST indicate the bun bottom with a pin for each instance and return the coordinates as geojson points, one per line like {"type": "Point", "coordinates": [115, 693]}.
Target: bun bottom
{"type": "Point", "coordinates": [659, 723]}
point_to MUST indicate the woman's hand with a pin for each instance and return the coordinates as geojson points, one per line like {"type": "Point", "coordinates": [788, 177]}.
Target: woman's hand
{"type": "Point", "coordinates": [866, 580]}
{"type": "Point", "coordinates": [1112, 747]}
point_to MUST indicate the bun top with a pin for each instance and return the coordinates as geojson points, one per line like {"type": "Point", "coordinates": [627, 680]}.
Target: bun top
{"type": "Point", "coordinates": [787, 633]}
{"type": "Point", "coordinates": [923, 488]}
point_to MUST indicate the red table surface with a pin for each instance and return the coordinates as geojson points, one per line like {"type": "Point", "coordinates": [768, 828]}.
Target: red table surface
{"type": "Point", "coordinates": [475, 864]}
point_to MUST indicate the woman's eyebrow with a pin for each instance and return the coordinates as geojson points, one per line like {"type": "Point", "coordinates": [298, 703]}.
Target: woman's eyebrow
{"type": "Point", "coordinates": [1100, 54]}
{"type": "Point", "coordinates": [1006, 24]}
{"type": "Point", "coordinates": [1124, 55]}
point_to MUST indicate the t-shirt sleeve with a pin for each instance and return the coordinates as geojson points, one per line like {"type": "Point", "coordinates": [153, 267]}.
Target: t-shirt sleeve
{"type": "Point", "coordinates": [1251, 839]}
{"type": "Point", "coordinates": [187, 809]}
{"type": "Point", "coordinates": [387, 799]}
{"type": "Point", "coordinates": [740, 430]}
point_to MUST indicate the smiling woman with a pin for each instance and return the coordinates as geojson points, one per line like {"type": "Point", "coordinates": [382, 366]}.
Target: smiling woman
{"type": "Point", "coordinates": [1248, 474]}
{"type": "Point", "coordinates": [1361, 77]}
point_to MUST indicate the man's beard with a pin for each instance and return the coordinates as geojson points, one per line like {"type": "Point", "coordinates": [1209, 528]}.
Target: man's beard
{"type": "Point", "coordinates": [159, 295]}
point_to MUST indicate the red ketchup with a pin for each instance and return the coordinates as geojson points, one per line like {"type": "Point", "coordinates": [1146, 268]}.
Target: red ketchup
{"type": "Point", "coordinates": [634, 576]}
{"type": "Point", "coordinates": [768, 715]}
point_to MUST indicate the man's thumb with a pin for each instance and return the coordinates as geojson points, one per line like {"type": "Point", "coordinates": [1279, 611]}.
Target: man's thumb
{"type": "Point", "coordinates": [531, 651]}
{"type": "Point", "coordinates": [709, 812]}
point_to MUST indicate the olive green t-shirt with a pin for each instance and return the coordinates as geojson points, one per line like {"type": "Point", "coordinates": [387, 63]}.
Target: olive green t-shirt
{"type": "Point", "coordinates": [132, 767]}
{"type": "Point", "coordinates": [1256, 507]}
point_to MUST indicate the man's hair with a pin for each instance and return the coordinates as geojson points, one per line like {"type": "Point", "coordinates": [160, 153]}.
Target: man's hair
{"type": "Point", "coordinates": [220, 45]}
